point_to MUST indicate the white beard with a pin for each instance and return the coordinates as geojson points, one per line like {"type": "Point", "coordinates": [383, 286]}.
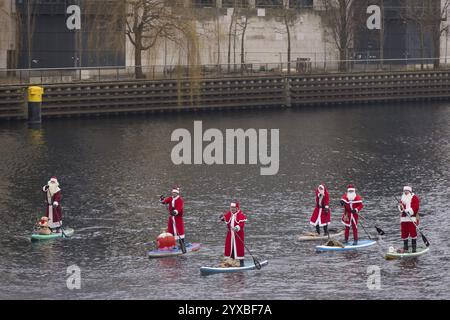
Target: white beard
{"type": "Point", "coordinates": [53, 188]}
{"type": "Point", "coordinates": [351, 196]}
{"type": "Point", "coordinates": [406, 199]}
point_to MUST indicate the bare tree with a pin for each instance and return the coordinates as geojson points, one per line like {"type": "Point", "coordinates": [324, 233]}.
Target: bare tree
{"type": "Point", "coordinates": [148, 21]}
{"type": "Point", "coordinates": [341, 20]}
{"type": "Point", "coordinates": [440, 25]}
{"type": "Point", "coordinates": [427, 16]}
{"type": "Point", "coordinates": [231, 34]}
{"type": "Point", "coordinates": [243, 25]}
{"type": "Point", "coordinates": [289, 17]}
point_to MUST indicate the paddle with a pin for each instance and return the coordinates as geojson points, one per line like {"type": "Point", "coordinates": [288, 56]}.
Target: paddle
{"type": "Point", "coordinates": [255, 261]}
{"type": "Point", "coordinates": [362, 225]}
{"type": "Point", "coordinates": [425, 240]}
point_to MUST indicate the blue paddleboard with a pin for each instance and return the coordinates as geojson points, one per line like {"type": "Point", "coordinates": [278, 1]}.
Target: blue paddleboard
{"type": "Point", "coordinates": [361, 244]}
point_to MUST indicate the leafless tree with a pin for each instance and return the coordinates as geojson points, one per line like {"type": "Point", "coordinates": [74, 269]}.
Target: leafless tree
{"type": "Point", "coordinates": [148, 21]}
{"type": "Point", "coordinates": [289, 17]}
{"type": "Point", "coordinates": [243, 23]}
{"type": "Point", "coordinates": [231, 34]}
{"type": "Point", "coordinates": [429, 17]}
{"type": "Point", "coordinates": [341, 20]}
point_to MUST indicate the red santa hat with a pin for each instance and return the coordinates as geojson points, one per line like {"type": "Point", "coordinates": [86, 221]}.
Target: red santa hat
{"type": "Point", "coordinates": [407, 188]}
{"type": "Point", "coordinates": [351, 187]}
{"type": "Point", "coordinates": [176, 190]}
{"type": "Point", "coordinates": [53, 179]}
{"type": "Point", "coordinates": [321, 186]}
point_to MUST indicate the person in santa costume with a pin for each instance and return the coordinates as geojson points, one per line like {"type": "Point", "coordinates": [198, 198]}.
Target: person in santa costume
{"type": "Point", "coordinates": [321, 216]}
{"type": "Point", "coordinates": [175, 224]}
{"type": "Point", "coordinates": [409, 208]}
{"type": "Point", "coordinates": [53, 202]}
{"type": "Point", "coordinates": [352, 204]}
{"type": "Point", "coordinates": [234, 242]}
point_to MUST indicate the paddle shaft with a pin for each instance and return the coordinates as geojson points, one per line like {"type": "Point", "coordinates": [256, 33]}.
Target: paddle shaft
{"type": "Point", "coordinates": [362, 225]}
{"type": "Point", "coordinates": [255, 261]}
{"type": "Point", "coordinates": [425, 240]}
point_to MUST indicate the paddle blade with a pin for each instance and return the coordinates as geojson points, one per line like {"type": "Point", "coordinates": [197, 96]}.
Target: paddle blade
{"type": "Point", "coordinates": [380, 231]}
{"type": "Point", "coordinates": [425, 240]}
{"type": "Point", "coordinates": [257, 264]}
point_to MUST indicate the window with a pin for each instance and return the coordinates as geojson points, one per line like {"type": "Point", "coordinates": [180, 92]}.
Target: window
{"type": "Point", "coordinates": [234, 3]}
{"type": "Point", "coordinates": [301, 3]}
{"type": "Point", "coordinates": [203, 3]}
{"type": "Point", "coordinates": [268, 3]}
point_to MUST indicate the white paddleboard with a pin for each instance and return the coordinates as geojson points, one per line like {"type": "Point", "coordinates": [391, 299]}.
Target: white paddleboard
{"type": "Point", "coordinates": [402, 255]}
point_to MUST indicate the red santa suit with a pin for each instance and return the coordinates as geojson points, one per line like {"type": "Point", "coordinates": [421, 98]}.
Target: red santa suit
{"type": "Point", "coordinates": [234, 247]}
{"type": "Point", "coordinates": [319, 216]}
{"type": "Point", "coordinates": [175, 224]}
{"type": "Point", "coordinates": [351, 201]}
{"type": "Point", "coordinates": [409, 204]}
{"type": "Point", "coordinates": [53, 201]}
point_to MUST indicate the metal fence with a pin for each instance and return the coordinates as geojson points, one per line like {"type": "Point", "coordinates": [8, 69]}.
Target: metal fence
{"type": "Point", "coordinates": [301, 66]}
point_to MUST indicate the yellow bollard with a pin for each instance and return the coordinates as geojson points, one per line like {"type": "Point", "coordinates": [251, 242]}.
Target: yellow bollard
{"type": "Point", "coordinates": [35, 104]}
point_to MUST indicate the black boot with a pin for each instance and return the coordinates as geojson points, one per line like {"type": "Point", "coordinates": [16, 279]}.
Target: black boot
{"type": "Point", "coordinates": [405, 245]}
{"type": "Point", "coordinates": [318, 229]}
{"type": "Point", "coordinates": [241, 262]}
{"type": "Point", "coordinates": [325, 230]}
{"type": "Point", "coordinates": [414, 245]}
{"type": "Point", "coordinates": [355, 242]}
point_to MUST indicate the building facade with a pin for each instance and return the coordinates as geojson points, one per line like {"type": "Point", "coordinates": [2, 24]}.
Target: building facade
{"type": "Point", "coordinates": [91, 33]}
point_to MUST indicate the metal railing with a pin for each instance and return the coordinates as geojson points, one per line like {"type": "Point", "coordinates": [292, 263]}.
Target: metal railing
{"type": "Point", "coordinates": [301, 66]}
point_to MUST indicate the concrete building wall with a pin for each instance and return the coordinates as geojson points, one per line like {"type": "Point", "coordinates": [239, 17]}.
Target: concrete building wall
{"type": "Point", "coordinates": [265, 40]}
{"type": "Point", "coordinates": [7, 30]}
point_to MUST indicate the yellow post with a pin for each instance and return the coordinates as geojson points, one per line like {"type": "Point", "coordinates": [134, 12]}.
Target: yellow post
{"type": "Point", "coordinates": [35, 104]}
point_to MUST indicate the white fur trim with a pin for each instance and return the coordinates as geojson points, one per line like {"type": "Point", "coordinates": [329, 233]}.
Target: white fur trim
{"type": "Point", "coordinates": [407, 188]}
{"type": "Point", "coordinates": [233, 205]}
{"type": "Point", "coordinates": [351, 189]}
{"type": "Point", "coordinates": [176, 190]}
{"type": "Point", "coordinates": [55, 203]}
{"type": "Point", "coordinates": [408, 219]}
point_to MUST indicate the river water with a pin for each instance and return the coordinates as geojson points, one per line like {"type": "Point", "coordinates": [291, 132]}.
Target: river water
{"type": "Point", "coordinates": [112, 171]}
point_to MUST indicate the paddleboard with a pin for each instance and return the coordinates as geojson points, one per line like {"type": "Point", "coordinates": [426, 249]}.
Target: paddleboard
{"type": "Point", "coordinates": [248, 265]}
{"type": "Point", "coordinates": [361, 244]}
{"type": "Point", "coordinates": [175, 251]}
{"type": "Point", "coordinates": [398, 255]}
{"type": "Point", "coordinates": [314, 236]}
{"type": "Point", "coordinates": [68, 232]}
